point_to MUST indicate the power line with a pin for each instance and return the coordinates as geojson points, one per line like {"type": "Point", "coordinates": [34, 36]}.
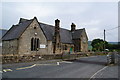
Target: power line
{"type": "Point", "coordinates": [112, 28]}
{"type": "Point", "coordinates": [98, 34]}
{"type": "Point", "coordinates": [107, 30]}
{"type": "Point", "coordinates": [105, 34]}
{"type": "Point", "coordinates": [110, 34]}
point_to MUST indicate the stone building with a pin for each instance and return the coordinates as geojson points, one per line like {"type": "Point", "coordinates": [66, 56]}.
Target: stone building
{"type": "Point", "coordinates": [33, 37]}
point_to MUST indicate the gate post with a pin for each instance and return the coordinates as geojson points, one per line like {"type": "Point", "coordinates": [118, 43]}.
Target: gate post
{"type": "Point", "coordinates": [111, 58]}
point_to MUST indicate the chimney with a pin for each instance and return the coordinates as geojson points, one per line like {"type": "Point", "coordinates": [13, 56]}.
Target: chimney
{"type": "Point", "coordinates": [56, 36]}
{"type": "Point", "coordinates": [57, 25]}
{"type": "Point", "coordinates": [73, 27]}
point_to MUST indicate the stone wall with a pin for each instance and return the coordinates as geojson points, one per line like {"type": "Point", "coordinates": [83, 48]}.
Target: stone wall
{"type": "Point", "coordinates": [12, 58]}
{"type": "Point", "coordinates": [33, 31]}
{"type": "Point", "coordinates": [68, 48]}
{"type": "Point", "coordinates": [23, 44]}
{"type": "Point", "coordinates": [28, 58]}
{"type": "Point", "coordinates": [84, 42]}
{"type": "Point", "coordinates": [77, 46]}
{"type": "Point", "coordinates": [49, 47]}
{"type": "Point", "coordinates": [10, 47]}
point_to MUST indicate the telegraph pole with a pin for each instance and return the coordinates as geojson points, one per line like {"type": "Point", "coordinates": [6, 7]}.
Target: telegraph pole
{"type": "Point", "coordinates": [104, 40]}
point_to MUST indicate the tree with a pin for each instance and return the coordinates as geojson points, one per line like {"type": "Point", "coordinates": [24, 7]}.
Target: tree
{"type": "Point", "coordinates": [98, 44]}
{"type": "Point", "coordinates": [113, 47]}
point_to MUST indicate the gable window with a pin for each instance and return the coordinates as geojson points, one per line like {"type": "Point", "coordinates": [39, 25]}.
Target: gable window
{"type": "Point", "coordinates": [35, 44]}
{"type": "Point", "coordinates": [34, 27]}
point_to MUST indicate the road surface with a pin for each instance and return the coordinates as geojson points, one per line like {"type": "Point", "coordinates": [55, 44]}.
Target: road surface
{"type": "Point", "coordinates": [86, 67]}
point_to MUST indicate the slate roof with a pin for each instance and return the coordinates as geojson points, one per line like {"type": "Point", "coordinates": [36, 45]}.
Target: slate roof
{"type": "Point", "coordinates": [16, 31]}
{"type": "Point", "coordinates": [2, 32]}
{"type": "Point", "coordinates": [76, 34]}
{"type": "Point", "coordinates": [65, 35]}
{"type": "Point", "coordinates": [48, 30]}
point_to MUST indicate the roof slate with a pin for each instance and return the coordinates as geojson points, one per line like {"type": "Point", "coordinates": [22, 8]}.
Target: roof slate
{"type": "Point", "coordinates": [76, 34]}
{"type": "Point", "coordinates": [2, 32]}
{"type": "Point", "coordinates": [66, 36]}
{"type": "Point", "coordinates": [16, 30]}
{"type": "Point", "coordinates": [48, 30]}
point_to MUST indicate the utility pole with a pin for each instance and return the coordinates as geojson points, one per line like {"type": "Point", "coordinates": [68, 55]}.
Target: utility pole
{"type": "Point", "coordinates": [104, 40]}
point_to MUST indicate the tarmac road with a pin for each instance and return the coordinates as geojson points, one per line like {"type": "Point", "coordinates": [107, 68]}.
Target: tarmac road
{"type": "Point", "coordinates": [86, 67]}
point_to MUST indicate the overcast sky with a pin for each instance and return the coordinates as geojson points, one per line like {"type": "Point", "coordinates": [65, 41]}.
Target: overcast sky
{"type": "Point", "coordinates": [93, 16]}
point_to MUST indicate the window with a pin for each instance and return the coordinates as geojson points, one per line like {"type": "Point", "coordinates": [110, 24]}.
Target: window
{"type": "Point", "coordinates": [35, 44]}
{"type": "Point", "coordinates": [32, 43]}
{"type": "Point", "coordinates": [35, 26]}
{"type": "Point", "coordinates": [65, 47]}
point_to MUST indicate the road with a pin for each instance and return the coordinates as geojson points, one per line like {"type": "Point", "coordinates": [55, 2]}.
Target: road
{"type": "Point", "coordinates": [85, 67]}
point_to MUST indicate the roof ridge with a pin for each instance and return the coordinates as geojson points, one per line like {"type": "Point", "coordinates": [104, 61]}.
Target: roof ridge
{"type": "Point", "coordinates": [65, 29]}
{"type": "Point", "coordinates": [27, 22]}
{"type": "Point", "coordinates": [23, 20]}
{"type": "Point", "coordinates": [53, 26]}
{"type": "Point", "coordinates": [17, 26]}
{"type": "Point", "coordinates": [79, 29]}
{"type": "Point", "coordinates": [46, 24]}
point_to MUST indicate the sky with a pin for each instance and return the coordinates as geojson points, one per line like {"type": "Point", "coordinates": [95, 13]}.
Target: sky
{"type": "Point", "coordinates": [93, 16]}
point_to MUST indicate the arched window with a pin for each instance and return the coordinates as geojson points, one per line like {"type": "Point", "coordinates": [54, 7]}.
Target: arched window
{"type": "Point", "coordinates": [32, 44]}
{"type": "Point", "coordinates": [35, 44]}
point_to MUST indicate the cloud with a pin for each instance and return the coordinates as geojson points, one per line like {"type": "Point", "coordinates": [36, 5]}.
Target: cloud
{"type": "Point", "coordinates": [91, 23]}
{"type": "Point", "coordinates": [94, 33]}
{"type": "Point", "coordinates": [35, 10]}
{"type": "Point", "coordinates": [95, 17]}
{"type": "Point", "coordinates": [59, 0]}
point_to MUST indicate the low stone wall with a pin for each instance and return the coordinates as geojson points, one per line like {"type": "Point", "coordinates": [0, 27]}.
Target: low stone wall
{"type": "Point", "coordinates": [34, 57]}
{"type": "Point", "coordinates": [27, 58]}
